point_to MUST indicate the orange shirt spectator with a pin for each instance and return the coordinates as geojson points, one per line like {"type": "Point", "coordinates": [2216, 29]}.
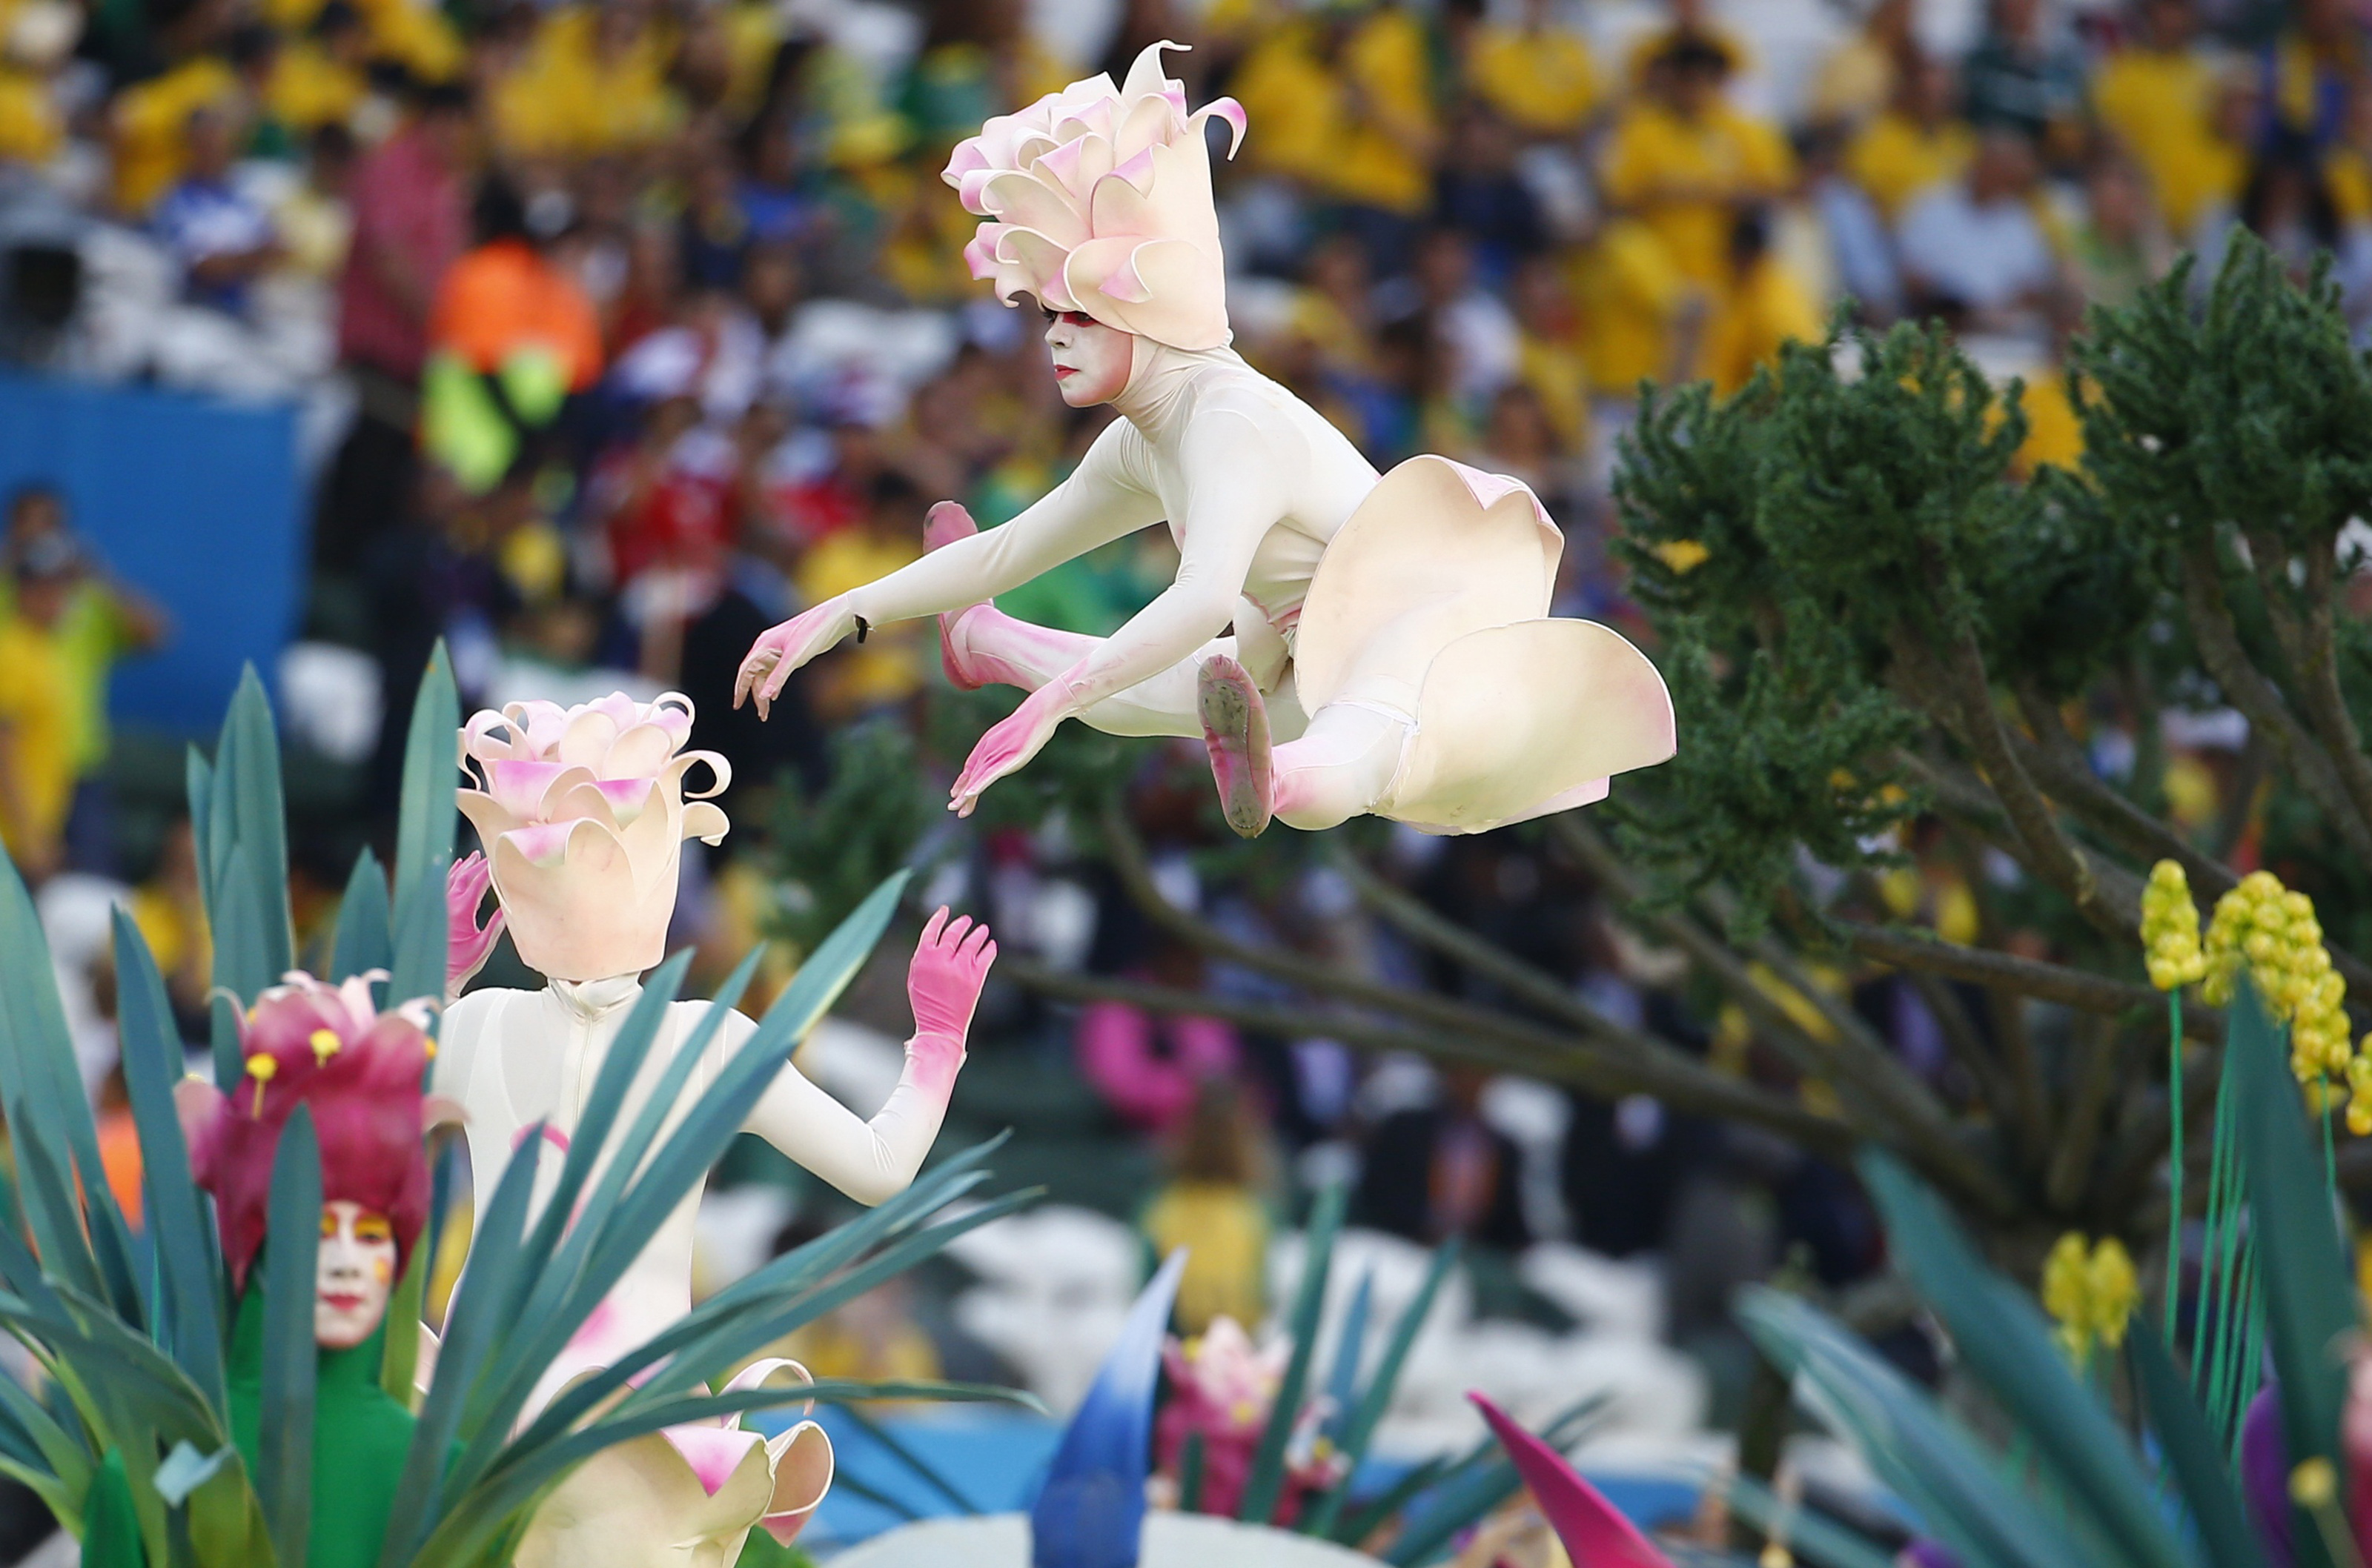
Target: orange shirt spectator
{"type": "Point", "coordinates": [504, 298]}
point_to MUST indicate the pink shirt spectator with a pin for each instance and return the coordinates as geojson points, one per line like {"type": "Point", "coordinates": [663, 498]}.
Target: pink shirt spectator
{"type": "Point", "coordinates": [1118, 1055]}
{"type": "Point", "coordinates": [410, 223]}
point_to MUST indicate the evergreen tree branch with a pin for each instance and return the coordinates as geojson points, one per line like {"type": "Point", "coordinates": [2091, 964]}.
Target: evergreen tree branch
{"type": "Point", "coordinates": [2058, 764]}
{"type": "Point", "coordinates": [2246, 687]}
{"type": "Point", "coordinates": [2310, 644]}
{"type": "Point", "coordinates": [2051, 854]}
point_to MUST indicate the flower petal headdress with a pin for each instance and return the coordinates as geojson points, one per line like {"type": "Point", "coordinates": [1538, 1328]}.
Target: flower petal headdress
{"type": "Point", "coordinates": [584, 815]}
{"type": "Point", "coordinates": [308, 1042]}
{"type": "Point", "coordinates": [1098, 200]}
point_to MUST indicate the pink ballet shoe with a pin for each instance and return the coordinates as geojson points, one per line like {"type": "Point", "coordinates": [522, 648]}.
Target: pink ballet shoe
{"type": "Point", "coordinates": [948, 522]}
{"type": "Point", "coordinates": [1234, 726]}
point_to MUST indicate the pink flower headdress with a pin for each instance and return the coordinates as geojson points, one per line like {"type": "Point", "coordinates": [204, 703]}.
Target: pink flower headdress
{"type": "Point", "coordinates": [1099, 200]}
{"type": "Point", "coordinates": [308, 1042]}
{"type": "Point", "coordinates": [584, 815]}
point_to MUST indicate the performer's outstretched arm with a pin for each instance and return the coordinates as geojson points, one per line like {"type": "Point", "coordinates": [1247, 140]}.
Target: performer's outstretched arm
{"type": "Point", "coordinates": [1102, 500]}
{"type": "Point", "coordinates": [1239, 479]}
{"type": "Point", "coordinates": [873, 1161]}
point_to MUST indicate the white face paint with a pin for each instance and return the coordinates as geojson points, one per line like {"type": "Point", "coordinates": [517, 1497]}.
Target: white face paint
{"type": "Point", "coordinates": [1091, 360]}
{"type": "Point", "coordinates": [354, 1277]}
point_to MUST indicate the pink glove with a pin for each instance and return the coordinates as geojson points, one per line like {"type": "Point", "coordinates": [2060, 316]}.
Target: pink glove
{"type": "Point", "coordinates": [943, 986]}
{"type": "Point", "coordinates": [467, 945]}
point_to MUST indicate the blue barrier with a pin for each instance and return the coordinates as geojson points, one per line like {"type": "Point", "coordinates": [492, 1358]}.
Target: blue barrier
{"type": "Point", "coordinates": [195, 501]}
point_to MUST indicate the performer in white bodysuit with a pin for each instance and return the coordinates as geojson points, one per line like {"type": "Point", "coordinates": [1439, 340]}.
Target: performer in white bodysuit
{"type": "Point", "coordinates": [583, 813]}
{"type": "Point", "coordinates": [1391, 650]}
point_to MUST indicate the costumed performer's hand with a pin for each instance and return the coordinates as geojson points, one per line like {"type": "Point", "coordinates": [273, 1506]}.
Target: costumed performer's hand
{"type": "Point", "coordinates": [943, 986]}
{"type": "Point", "coordinates": [777, 653]}
{"type": "Point", "coordinates": [467, 944]}
{"type": "Point", "coordinates": [1009, 743]}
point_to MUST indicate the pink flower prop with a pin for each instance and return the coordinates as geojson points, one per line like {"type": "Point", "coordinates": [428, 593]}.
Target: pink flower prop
{"type": "Point", "coordinates": [1223, 1389]}
{"type": "Point", "coordinates": [688, 1494]}
{"type": "Point", "coordinates": [584, 813]}
{"type": "Point", "coordinates": [1099, 200]}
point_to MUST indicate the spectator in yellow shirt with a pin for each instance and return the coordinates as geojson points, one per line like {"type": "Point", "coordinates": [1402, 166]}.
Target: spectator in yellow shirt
{"type": "Point", "coordinates": [888, 669]}
{"type": "Point", "coordinates": [149, 121]}
{"type": "Point", "coordinates": [37, 701]}
{"type": "Point", "coordinates": [322, 80]}
{"type": "Point", "coordinates": [1916, 144]}
{"type": "Point", "coordinates": [1552, 358]}
{"type": "Point", "coordinates": [1762, 307]}
{"type": "Point", "coordinates": [1683, 159]}
{"type": "Point", "coordinates": [2159, 96]}
{"type": "Point", "coordinates": [1862, 75]}
{"type": "Point", "coordinates": [595, 80]}
{"type": "Point", "coordinates": [1690, 20]}
{"type": "Point", "coordinates": [1630, 296]}
{"type": "Point", "coordinates": [1537, 73]}
{"type": "Point", "coordinates": [1345, 105]}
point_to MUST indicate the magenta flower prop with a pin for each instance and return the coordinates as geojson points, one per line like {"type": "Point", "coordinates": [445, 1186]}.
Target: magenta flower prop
{"type": "Point", "coordinates": [1098, 200]}
{"type": "Point", "coordinates": [584, 813]}
{"type": "Point", "coordinates": [1222, 1391]}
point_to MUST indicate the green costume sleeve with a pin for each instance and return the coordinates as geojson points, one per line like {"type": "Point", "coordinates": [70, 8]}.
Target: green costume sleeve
{"type": "Point", "coordinates": [110, 1530]}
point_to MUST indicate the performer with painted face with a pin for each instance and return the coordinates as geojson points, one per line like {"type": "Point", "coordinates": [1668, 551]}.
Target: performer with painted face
{"type": "Point", "coordinates": [360, 1071]}
{"type": "Point", "coordinates": [1391, 650]}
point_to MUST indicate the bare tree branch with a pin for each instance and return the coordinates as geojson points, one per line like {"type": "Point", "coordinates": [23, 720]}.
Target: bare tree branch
{"type": "Point", "coordinates": [2078, 1133]}
{"type": "Point", "coordinates": [2049, 983]}
{"type": "Point", "coordinates": [1703, 1094]}
{"type": "Point", "coordinates": [1855, 1061]}
{"type": "Point", "coordinates": [1629, 1062]}
{"type": "Point", "coordinates": [1967, 1045]}
{"type": "Point", "coordinates": [1415, 919]}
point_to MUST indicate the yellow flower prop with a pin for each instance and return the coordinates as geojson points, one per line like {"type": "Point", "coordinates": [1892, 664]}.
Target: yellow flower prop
{"type": "Point", "coordinates": [2274, 932]}
{"type": "Point", "coordinates": [2091, 1290]}
{"type": "Point", "coordinates": [2170, 929]}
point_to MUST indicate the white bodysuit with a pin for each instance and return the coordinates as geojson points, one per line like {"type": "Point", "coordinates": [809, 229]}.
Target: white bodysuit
{"type": "Point", "coordinates": [1254, 484]}
{"type": "Point", "coordinates": [510, 1058]}
{"type": "Point", "coordinates": [1418, 676]}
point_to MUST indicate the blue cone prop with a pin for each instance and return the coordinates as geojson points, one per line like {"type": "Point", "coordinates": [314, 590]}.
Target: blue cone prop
{"type": "Point", "coordinates": [1091, 1510]}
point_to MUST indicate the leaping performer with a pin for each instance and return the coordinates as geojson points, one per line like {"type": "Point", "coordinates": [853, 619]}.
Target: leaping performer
{"type": "Point", "coordinates": [1391, 650]}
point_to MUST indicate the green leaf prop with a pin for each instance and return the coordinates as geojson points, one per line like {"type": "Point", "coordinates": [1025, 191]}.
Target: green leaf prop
{"type": "Point", "coordinates": [290, 1275]}
{"type": "Point", "coordinates": [365, 937]}
{"type": "Point", "coordinates": [1359, 1429]}
{"type": "Point", "coordinates": [2309, 1295]}
{"type": "Point", "coordinates": [1265, 1484]}
{"type": "Point", "coordinates": [2191, 1452]}
{"type": "Point", "coordinates": [425, 826]}
{"type": "Point", "coordinates": [1949, 1482]}
{"type": "Point", "coordinates": [2002, 1336]}
{"type": "Point", "coordinates": [178, 1223]}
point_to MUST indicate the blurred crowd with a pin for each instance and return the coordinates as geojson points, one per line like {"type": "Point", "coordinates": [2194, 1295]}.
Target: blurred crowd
{"type": "Point", "coordinates": [625, 328]}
